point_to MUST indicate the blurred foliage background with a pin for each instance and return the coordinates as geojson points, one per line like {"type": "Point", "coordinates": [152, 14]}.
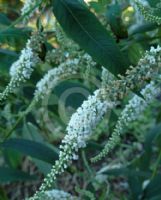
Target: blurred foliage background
{"type": "Point", "coordinates": [132, 170]}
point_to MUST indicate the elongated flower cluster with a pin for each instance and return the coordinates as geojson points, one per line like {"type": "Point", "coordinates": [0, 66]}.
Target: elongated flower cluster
{"type": "Point", "coordinates": [148, 13]}
{"type": "Point", "coordinates": [138, 15]}
{"type": "Point", "coordinates": [106, 77]}
{"type": "Point", "coordinates": [58, 195]}
{"type": "Point", "coordinates": [22, 69]}
{"type": "Point", "coordinates": [92, 110]}
{"type": "Point", "coordinates": [147, 69]}
{"type": "Point", "coordinates": [29, 8]}
{"type": "Point", "coordinates": [132, 111]}
{"type": "Point", "coordinates": [65, 70]}
{"type": "Point", "coordinates": [79, 129]}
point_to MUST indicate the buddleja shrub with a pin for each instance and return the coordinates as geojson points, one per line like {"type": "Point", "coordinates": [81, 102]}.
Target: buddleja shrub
{"type": "Point", "coordinates": [78, 42]}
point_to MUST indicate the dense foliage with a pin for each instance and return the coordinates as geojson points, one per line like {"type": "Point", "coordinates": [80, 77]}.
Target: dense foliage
{"type": "Point", "coordinates": [80, 91]}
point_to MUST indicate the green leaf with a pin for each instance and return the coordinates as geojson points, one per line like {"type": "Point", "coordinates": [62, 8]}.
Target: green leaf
{"type": "Point", "coordinates": [94, 146]}
{"type": "Point", "coordinates": [143, 28]}
{"type": "Point", "coordinates": [154, 187]}
{"type": "Point", "coordinates": [7, 57]}
{"type": "Point", "coordinates": [85, 29]}
{"type": "Point", "coordinates": [31, 132]}
{"type": "Point", "coordinates": [4, 19]}
{"type": "Point", "coordinates": [143, 161]}
{"type": "Point", "coordinates": [43, 167]}
{"type": "Point", "coordinates": [12, 158]}
{"type": "Point", "coordinates": [126, 172]}
{"type": "Point", "coordinates": [31, 148]}
{"type": "Point", "coordinates": [12, 175]}
{"type": "Point", "coordinates": [14, 36]}
{"type": "Point", "coordinates": [152, 2]}
{"type": "Point", "coordinates": [135, 184]}
{"type": "Point", "coordinates": [135, 51]}
{"type": "Point", "coordinates": [158, 197]}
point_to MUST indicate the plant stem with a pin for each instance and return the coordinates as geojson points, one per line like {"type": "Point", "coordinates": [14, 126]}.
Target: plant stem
{"type": "Point", "coordinates": [86, 163]}
{"type": "Point", "coordinates": [156, 165]}
{"type": "Point", "coordinates": [22, 115]}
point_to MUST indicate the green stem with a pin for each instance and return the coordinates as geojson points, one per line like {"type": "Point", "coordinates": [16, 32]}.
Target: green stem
{"type": "Point", "coordinates": [22, 115]}
{"type": "Point", "coordinates": [21, 18]}
{"type": "Point", "coordinates": [86, 163]}
{"type": "Point", "coordinates": [156, 165]}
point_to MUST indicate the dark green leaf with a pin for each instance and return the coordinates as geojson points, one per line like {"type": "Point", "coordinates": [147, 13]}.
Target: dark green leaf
{"type": "Point", "coordinates": [7, 57]}
{"type": "Point", "coordinates": [33, 149]}
{"type": "Point", "coordinates": [14, 36]}
{"type": "Point", "coordinates": [4, 19]}
{"type": "Point", "coordinates": [145, 158]}
{"type": "Point", "coordinates": [11, 175]}
{"type": "Point", "coordinates": [85, 29]}
{"type": "Point", "coordinates": [135, 52]}
{"type": "Point", "coordinates": [154, 187]}
{"type": "Point", "coordinates": [152, 2]}
{"type": "Point", "coordinates": [135, 186]}
{"type": "Point", "coordinates": [126, 172]}
{"type": "Point", "coordinates": [94, 146]}
{"type": "Point", "coordinates": [12, 158]}
{"type": "Point", "coordinates": [143, 28]}
{"type": "Point", "coordinates": [158, 197]}
{"type": "Point", "coordinates": [43, 167]}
